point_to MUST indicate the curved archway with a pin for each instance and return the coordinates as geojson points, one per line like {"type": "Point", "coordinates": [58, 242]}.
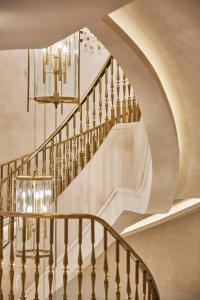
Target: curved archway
{"type": "Point", "coordinates": [155, 108]}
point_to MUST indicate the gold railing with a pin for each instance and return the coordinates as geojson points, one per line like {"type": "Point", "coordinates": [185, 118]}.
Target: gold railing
{"type": "Point", "coordinates": [125, 269]}
{"type": "Point", "coordinates": [64, 154]}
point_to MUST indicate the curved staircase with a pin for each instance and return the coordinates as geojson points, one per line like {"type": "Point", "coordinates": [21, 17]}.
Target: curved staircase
{"type": "Point", "coordinates": [90, 157]}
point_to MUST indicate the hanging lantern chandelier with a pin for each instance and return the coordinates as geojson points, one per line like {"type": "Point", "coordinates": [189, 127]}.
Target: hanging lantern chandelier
{"type": "Point", "coordinates": [34, 194]}
{"type": "Point", "coordinates": [56, 72]}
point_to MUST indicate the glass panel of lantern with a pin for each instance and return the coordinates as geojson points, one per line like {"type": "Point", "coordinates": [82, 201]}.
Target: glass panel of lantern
{"type": "Point", "coordinates": [34, 194]}
{"type": "Point", "coordinates": [56, 70]}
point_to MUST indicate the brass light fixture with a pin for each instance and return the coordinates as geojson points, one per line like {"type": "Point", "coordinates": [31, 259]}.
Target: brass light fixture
{"type": "Point", "coordinates": [56, 72]}
{"type": "Point", "coordinates": [34, 194]}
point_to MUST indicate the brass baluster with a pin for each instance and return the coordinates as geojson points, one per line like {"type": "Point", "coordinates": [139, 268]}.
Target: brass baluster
{"type": "Point", "coordinates": [14, 195]}
{"type": "Point", "coordinates": [93, 261]}
{"type": "Point", "coordinates": [100, 113]}
{"type": "Point", "coordinates": [112, 95]}
{"type": "Point", "coordinates": [130, 111]}
{"type": "Point", "coordinates": [51, 158]}
{"type": "Point", "coordinates": [50, 275]}
{"type": "Point", "coordinates": [118, 103]}
{"type": "Point", "coordinates": [105, 267]}
{"type": "Point", "coordinates": [128, 267]}
{"type": "Point", "coordinates": [71, 158]}
{"type": "Point", "coordinates": [137, 110]}
{"type": "Point", "coordinates": [154, 293]}
{"type": "Point", "coordinates": [88, 155]}
{"type": "Point", "coordinates": [44, 161]}
{"type": "Point", "coordinates": [9, 208]}
{"type": "Point", "coordinates": [23, 259]}
{"type": "Point", "coordinates": [37, 258]}
{"type": "Point", "coordinates": [117, 275]}
{"type": "Point", "coordinates": [82, 156]}
{"type": "Point", "coordinates": [144, 284]}
{"type": "Point", "coordinates": [94, 141]}
{"type": "Point", "coordinates": [65, 260]}
{"type": "Point", "coordinates": [80, 261]}
{"type": "Point", "coordinates": [22, 167]}
{"type": "Point", "coordinates": [12, 257]}
{"type": "Point", "coordinates": [36, 165]}
{"type": "Point", "coordinates": [74, 168]}
{"type": "Point", "coordinates": [28, 168]}
{"type": "Point", "coordinates": [1, 256]}
{"type": "Point", "coordinates": [59, 165]}
{"type": "Point", "coordinates": [124, 100]}
{"type": "Point", "coordinates": [107, 123]}
{"type": "Point", "coordinates": [64, 167]}
{"type": "Point", "coordinates": [149, 290]}
{"type": "Point", "coordinates": [137, 264]}
{"type": "Point", "coordinates": [67, 155]}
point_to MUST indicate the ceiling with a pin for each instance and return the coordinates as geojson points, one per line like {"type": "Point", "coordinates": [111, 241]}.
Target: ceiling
{"type": "Point", "coordinates": [36, 23]}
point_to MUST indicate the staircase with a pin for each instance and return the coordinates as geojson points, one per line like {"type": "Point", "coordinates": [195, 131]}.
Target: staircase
{"type": "Point", "coordinates": [109, 102]}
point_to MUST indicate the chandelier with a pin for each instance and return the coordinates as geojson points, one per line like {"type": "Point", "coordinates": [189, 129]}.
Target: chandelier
{"type": "Point", "coordinates": [56, 72]}
{"type": "Point", "coordinates": [34, 194]}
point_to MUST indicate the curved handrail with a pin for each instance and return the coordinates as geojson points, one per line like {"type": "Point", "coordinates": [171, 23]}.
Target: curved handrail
{"type": "Point", "coordinates": [55, 216]}
{"type": "Point", "coordinates": [63, 124]}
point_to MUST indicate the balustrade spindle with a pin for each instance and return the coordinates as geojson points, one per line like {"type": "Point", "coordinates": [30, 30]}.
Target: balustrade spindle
{"type": "Point", "coordinates": [67, 156]}
{"type": "Point", "coordinates": [74, 168]}
{"type": "Point", "coordinates": [12, 258]}
{"type": "Point", "coordinates": [94, 141]}
{"type": "Point", "coordinates": [59, 152]}
{"type": "Point", "coordinates": [80, 261]}
{"type": "Point", "coordinates": [130, 110]}
{"type": "Point", "coordinates": [88, 128]}
{"type": "Point", "coordinates": [93, 261]}
{"type": "Point", "coordinates": [65, 260]}
{"type": "Point", "coordinates": [117, 275]}
{"type": "Point", "coordinates": [100, 112]}
{"type": "Point", "coordinates": [50, 274]}
{"type": "Point", "coordinates": [44, 161]}
{"type": "Point", "coordinates": [149, 291]}
{"type": "Point", "coordinates": [81, 155]}
{"type": "Point", "coordinates": [128, 287]}
{"type": "Point", "coordinates": [124, 99]}
{"type": "Point", "coordinates": [37, 258]}
{"type": "Point", "coordinates": [105, 267]}
{"type": "Point", "coordinates": [22, 166]}
{"type": "Point", "coordinates": [112, 123]}
{"type": "Point", "coordinates": [51, 149]}
{"type": "Point", "coordinates": [144, 285]}
{"type": "Point", "coordinates": [9, 191]}
{"type": "Point", "coordinates": [1, 256]}
{"type": "Point", "coordinates": [137, 264]}
{"type": "Point", "coordinates": [36, 165]}
{"type": "Point", "coordinates": [64, 165]}
{"type": "Point", "coordinates": [71, 158]}
{"type": "Point", "coordinates": [23, 259]}
{"type": "Point", "coordinates": [107, 123]}
{"type": "Point", "coordinates": [118, 103]}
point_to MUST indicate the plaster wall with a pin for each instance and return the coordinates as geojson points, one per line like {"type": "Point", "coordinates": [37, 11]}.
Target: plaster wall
{"type": "Point", "coordinates": [167, 33]}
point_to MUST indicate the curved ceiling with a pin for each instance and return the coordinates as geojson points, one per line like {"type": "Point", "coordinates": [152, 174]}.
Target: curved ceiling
{"type": "Point", "coordinates": [36, 23]}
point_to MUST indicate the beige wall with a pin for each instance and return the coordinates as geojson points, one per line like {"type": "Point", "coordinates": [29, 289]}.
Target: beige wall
{"type": "Point", "coordinates": [171, 251]}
